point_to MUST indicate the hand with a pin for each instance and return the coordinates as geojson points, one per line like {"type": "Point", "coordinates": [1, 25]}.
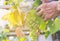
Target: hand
{"type": "Point", "coordinates": [48, 10]}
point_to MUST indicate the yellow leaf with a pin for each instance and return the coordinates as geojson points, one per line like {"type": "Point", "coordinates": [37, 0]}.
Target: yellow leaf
{"type": "Point", "coordinates": [5, 17]}
{"type": "Point", "coordinates": [5, 40]}
{"type": "Point", "coordinates": [6, 30]}
{"type": "Point", "coordinates": [56, 19]}
{"type": "Point", "coordinates": [11, 19]}
{"type": "Point", "coordinates": [46, 22]}
{"type": "Point", "coordinates": [22, 39]}
{"type": "Point", "coordinates": [19, 17]}
{"type": "Point", "coordinates": [14, 18]}
{"type": "Point", "coordinates": [5, 2]}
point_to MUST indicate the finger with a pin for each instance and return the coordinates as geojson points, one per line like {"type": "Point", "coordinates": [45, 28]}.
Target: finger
{"type": "Point", "coordinates": [45, 19]}
{"type": "Point", "coordinates": [48, 16]}
{"type": "Point", "coordinates": [55, 15]}
{"type": "Point", "coordinates": [49, 11]}
{"type": "Point", "coordinates": [51, 15]}
{"type": "Point", "coordinates": [43, 16]}
{"type": "Point", "coordinates": [39, 8]}
{"type": "Point", "coordinates": [40, 13]}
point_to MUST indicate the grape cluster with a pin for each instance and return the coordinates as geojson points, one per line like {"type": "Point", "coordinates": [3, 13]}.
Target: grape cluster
{"type": "Point", "coordinates": [33, 21]}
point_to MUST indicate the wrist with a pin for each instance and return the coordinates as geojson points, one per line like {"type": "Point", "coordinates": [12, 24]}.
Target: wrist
{"type": "Point", "coordinates": [58, 6]}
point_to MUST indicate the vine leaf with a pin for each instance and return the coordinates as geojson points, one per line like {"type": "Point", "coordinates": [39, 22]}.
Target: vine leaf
{"type": "Point", "coordinates": [36, 3]}
{"type": "Point", "coordinates": [54, 25]}
{"type": "Point", "coordinates": [57, 23]}
{"type": "Point", "coordinates": [42, 26]}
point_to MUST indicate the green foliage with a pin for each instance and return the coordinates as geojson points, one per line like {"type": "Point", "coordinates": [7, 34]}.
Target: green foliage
{"type": "Point", "coordinates": [47, 34]}
{"type": "Point", "coordinates": [52, 27]}
{"type": "Point", "coordinates": [33, 21]}
{"type": "Point", "coordinates": [36, 3]}
{"type": "Point", "coordinates": [14, 3]}
{"type": "Point", "coordinates": [42, 26]}
{"type": "Point", "coordinates": [57, 23]}
{"type": "Point", "coordinates": [1, 38]}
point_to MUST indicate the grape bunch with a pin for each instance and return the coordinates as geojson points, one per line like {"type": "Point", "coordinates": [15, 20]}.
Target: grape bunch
{"type": "Point", "coordinates": [33, 21]}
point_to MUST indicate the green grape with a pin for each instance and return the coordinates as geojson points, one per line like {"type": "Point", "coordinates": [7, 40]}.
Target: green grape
{"type": "Point", "coordinates": [33, 35]}
{"type": "Point", "coordinates": [34, 22]}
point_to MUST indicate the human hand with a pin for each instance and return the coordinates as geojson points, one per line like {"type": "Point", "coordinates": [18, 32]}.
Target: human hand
{"type": "Point", "coordinates": [48, 10]}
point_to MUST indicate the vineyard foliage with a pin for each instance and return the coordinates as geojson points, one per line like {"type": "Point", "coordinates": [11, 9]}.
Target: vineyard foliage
{"type": "Point", "coordinates": [33, 21]}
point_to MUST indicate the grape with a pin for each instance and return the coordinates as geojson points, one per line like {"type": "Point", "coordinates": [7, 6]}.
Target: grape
{"type": "Point", "coordinates": [33, 21]}
{"type": "Point", "coordinates": [33, 35]}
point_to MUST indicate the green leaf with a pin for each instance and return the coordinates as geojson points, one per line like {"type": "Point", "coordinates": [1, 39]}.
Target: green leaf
{"type": "Point", "coordinates": [57, 23]}
{"type": "Point", "coordinates": [52, 26]}
{"type": "Point", "coordinates": [47, 34]}
{"type": "Point", "coordinates": [42, 26]}
{"type": "Point", "coordinates": [20, 0]}
{"type": "Point", "coordinates": [1, 37]}
{"type": "Point", "coordinates": [36, 3]}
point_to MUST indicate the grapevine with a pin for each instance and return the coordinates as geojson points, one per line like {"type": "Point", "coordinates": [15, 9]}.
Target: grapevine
{"type": "Point", "coordinates": [33, 22]}
{"type": "Point", "coordinates": [36, 23]}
